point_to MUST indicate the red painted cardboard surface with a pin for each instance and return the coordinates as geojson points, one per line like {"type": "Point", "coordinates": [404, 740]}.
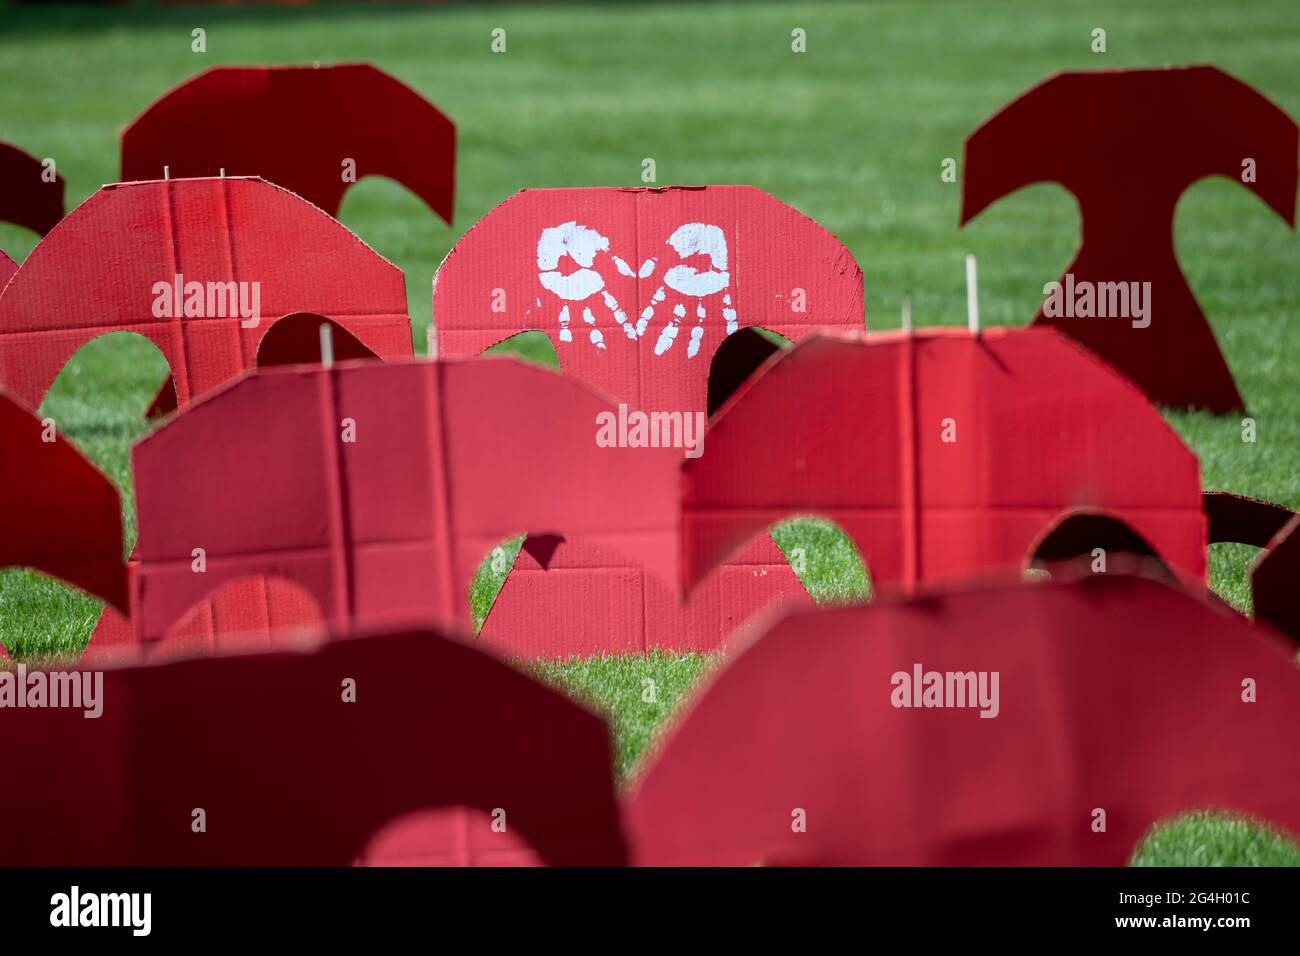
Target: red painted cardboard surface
{"type": "Point", "coordinates": [458, 836]}
{"type": "Point", "coordinates": [852, 429]}
{"type": "Point", "coordinates": [61, 515]}
{"type": "Point", "coordinates": [448, 460]}
{"type": "Point", "coordinates": [603, 272]}
{"type": "Point", "coordinates": [765, 249]}
{"type": "Point", "coordinates": [1114, 692]}
{"type": "Point", "coordinates": [7, 268]}
{"type": "Point", "coordinates": [1126, 144]}
{"type": "Point", "coordinates": [296, 127]}
{"type": "Point", "coordinates": [295, 340]}
{"type": "Point", "coordinates": [290, 774]}
{"type": "Point", "coordinates": [98, 271]}
{"type": "Point", "coordinates": [252, 613]}
{"type": "Point", "coordinates": [1275, 581]}
{"type": "Point", "coordinates": [27, 199]}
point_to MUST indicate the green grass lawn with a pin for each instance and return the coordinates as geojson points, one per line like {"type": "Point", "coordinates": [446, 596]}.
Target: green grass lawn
{"type": "Point", "coordinates": [852, 133]}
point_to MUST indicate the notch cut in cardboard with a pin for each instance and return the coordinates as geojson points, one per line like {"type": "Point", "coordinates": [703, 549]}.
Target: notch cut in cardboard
{"type": "Point", "coordinates": [849, 756]}
{"type": "Point", "coordinates": [293, 340]}
{"type": "Point", "coordinates": [299, 127]}
{"type": "Point", "coordinates": [246, 614]}
{"type": "Point", "coordinates": [378, 488]}
{"type": "Point", "coordinates": [62, 516]}
{"type": "Point", "coordinates": [31, 197]}
{"type": "Point", "coordinates": [237, 245]}
{"type": "Point", "coordinates": [431, 724]}
{"type": "Point", "coordinates": [638, 290]}
{"type": "Point", "coordinates": [1151, 135]}
{"type": "Point", "coordinates": [942, 455]}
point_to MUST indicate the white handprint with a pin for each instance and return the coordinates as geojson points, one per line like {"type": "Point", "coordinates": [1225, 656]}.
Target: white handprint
{"type": "Point", "coordinates": [688, 240]}
{"type": "Point", "coordinates": [581, 244]}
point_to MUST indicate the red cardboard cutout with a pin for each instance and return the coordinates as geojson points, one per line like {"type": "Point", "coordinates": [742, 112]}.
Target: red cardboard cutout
{"type": "Point", "coordinates": [942, 455]}
{"type": "Point", "coordinates": [298, 127]}
{"type": "Point", "coordinates": [379, 488]}
{"type": "Point", "coordinates": [637, 289]}
{"type": "Point", "coordinates": [244, 615]}
{"type": "Point", "coordinates": [1262, 524]}
{"type": "Point", "coordinates": [1275, 581]}
{"type": "Point", "coordinates": [7, 268]}
{"type": "Point", "coordinates": [460, 836]}
{"type": "Point", "coordinates": [729, 256]}
{"type": "Point", "coordinates": [1114, 693]}
{"type": "Point", "coordinates": [27, 199]}
{"type": "Point", "coordinates": [1151, 134]}
{"type": "Point", "coordinates": [109, 265]}
{"type": "Point", "coordinates": [1242, 519]}
{"type": "Point", "coordinates": [295, 340]}
{"type": "Point", "coordinates": [61, 516]}
{"type": "Point", "coordinates": [289, 772]}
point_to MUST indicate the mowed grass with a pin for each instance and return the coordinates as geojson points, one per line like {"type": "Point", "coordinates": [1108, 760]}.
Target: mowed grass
{"type": "Point", "coordinates": [853, 133]}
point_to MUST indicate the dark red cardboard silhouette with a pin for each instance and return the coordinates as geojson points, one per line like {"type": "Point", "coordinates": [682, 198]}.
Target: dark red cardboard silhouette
{"type": "Point", "coordinates": [27, 198]}
{"type": "Point", "coordinates": [1275, 581]}
{"type": "Point", "coordinates": [378, 488]}
{"type": "Point", "coordinates": [112, 263]}
{"type": "Point", "coordinates": [7, 268]}
{"type": "Point", "coordinates": [287, 771]}
{"type": "Point", "coordinates": [1261, 524]}
{"type": "Point", "coordinates": [1242, 519]}
{"type": "Point", "coordinates": [1115, 695]}
{"type": "Point", "coordinates": [637, 289]}
{"type": "Point", "coordinates": [61, 515]}
{"type": "Point", "coordinates": [299, 126]}
{"type": "Point", "coordinates": [1144, 136]}
{"type": "Point", "coordinates": [942, 455]}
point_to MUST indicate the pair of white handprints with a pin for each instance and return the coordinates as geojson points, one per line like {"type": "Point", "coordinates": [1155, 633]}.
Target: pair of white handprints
{"type": "Point", "coordinates": [691, 286]}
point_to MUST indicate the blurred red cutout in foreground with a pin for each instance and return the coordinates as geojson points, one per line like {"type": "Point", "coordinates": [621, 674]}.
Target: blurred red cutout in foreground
{"type": "Point", "coordinates": [1113, 694]}
{"type": "Point", "coordinates": [315, 755]}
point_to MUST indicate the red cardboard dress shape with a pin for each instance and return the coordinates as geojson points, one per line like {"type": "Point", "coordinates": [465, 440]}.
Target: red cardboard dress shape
{"type": "Point", "coordinates": [1114, 694]}
{"type": "Point", "coordinates": [298, 127]}
{"type": "Point", "coordinates": [117, 261]}
{"type": "Point", "coordinates": [288, 771]}
{"type": "Point", "coordinates": [1150, 134]}
{"type": "Point", "coordinates": [637, 289]}
{"type": "Point", "coordinates": [942, 455]}
{"type": "Point", "coordinates": [27, 199]}
{"type": "Point", "coordinates": [61, 515]}
{"type": "Point", "coordinates": [380, 487]}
